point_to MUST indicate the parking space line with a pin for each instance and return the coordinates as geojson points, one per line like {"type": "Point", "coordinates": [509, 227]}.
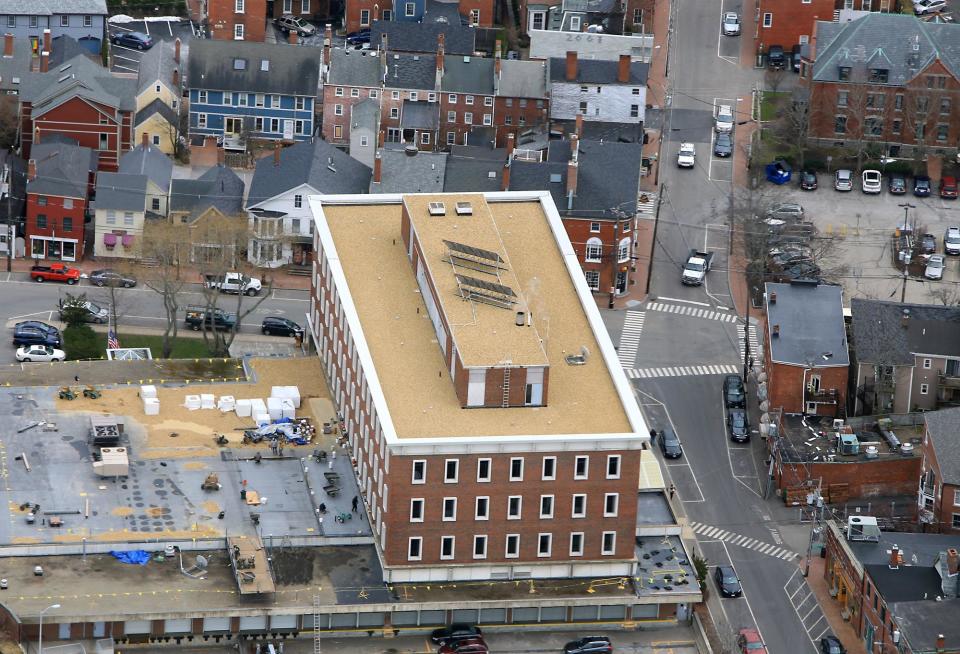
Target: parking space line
{"type": "Point", "coordinates": [123, 47]}
{"type": "Point", "coordinates": [136, 61]}
{"type": "Point", "coordinates": [170, 27]}
{"type": "Point", "coordinates": [132, 70]}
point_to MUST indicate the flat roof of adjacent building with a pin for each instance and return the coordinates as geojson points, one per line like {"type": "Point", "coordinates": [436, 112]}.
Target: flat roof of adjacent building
{"type": "Point", "coordinates": [410, 370]}
{"type": "Point", "coordinates": [810, 317]}
{"type": "Point", "coordinates": [813, 439]}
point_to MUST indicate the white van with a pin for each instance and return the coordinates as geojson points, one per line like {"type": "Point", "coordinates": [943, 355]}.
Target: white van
{"type": "Point", "coordinates": [724, 118]}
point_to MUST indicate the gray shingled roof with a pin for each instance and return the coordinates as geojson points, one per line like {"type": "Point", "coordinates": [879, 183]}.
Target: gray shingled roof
{"type": "Point", "coordinates": [608, 179]}
{"type": "Point", "coordinates": [593, 71]}
{"type": "Point", "coordinates": [467, 75]}
{"type": "Point", "coordinates": [121, 192]}
{"type": "Point", "coordinates": [880, 337]}
{"type": "Point", "coordinates": [422, 37]}
{"type": "Point", "coordinates": [522, 79]}
{"type": "Point", "coordinates": [79, 76]}
{"type": "Point", "coordinates": [921, 622]}
{"type": "Point", "coordinates": [423, 172]}
{"type": "Point", "coordinates": [63, 169]}
{"type": "Point", "coordinates": [420, 115]}
{"type": "Point", "coordinates": [443, 11]}
{"type": "Point", "coordinates": [474, 168]}
{"type": "Point", "coordinates": [219, 188]}
{"type": "Point", "coordinates": [17, 66]}
{"type": "Point", "coordinates": [812, 331]}
{"type": "Point", "coordinates": [291, 70]}
{"type": "Point", "coordinates": [63, 48]}
{"type": "Point", "coordinates": [51, 7]}
{"type": "Point", "coordinates": [157, 64]}
{"type": "Point", "coordinates": [317, 164]}
{"type": "Point", "coordinates": [157, 106]}
{"type": "Point", "coordinates": [354, 68]}
{"type": "Point", "coordinates": [409, 71]}
{"type": "Point", "coordinates": [944, 429]}
{"type": "Point", "coordinates": [899, 43]}
{"type": "Point", "coordinates": [149, 161]}
{"type": "Point", "coordinates": [365, 114]}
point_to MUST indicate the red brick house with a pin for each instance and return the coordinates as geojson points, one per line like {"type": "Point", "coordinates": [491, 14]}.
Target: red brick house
{"type": "Point", "coordinates": [786, 22]}
{"type": "Point", "coordinates": [522, 100]}
{"type": "Point", "coordinates": [362, 14]}
{"type": "Point", "coordinates": [83, 102]}
{"type": "Point", "coordinates": [240, 20]}
{"type": "Point", "coordinates": [311, 10]}
{"type": "Point", "coordinates": [59, 178]}
{"type": "Point", "coordinates": [806, 359]}
{"type": "Point", "coordinates": [903, 95]}
{"type": "Point", "coordinates": [939, 491]}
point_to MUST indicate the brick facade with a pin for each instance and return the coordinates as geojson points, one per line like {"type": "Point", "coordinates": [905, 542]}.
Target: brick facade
{"type": "Point", "coordinates": [602, 274]}
{"type": "Point", "coordinates": [789, 388]}
{"type": "Point", "coordinates": [360, 14]}
{"type": "Point", "coordinates": [941, 499]}
{"type": "Point", "coordinates": [223, 17]}
{"type": "Point", "coordinates": [317, 10]}
{"type": "Point", "coordinates": [51, 227]}
{"type": "Point", "coordinates": [786, 22]}
{"type": "Point", "coordinates": [336, 122]}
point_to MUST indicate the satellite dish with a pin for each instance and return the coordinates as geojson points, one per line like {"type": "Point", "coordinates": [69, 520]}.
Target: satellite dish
{"type": "Point", "coordinates": [201, 561]}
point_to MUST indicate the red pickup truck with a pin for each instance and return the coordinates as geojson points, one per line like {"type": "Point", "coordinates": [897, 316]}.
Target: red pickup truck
{"type": "Point", "coordinates": [55, 272]}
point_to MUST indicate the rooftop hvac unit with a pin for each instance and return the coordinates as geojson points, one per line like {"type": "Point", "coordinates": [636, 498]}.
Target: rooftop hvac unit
{"type": "Point", "coordinates": [847, 444]}
{"type": "Point", "coordinates": [464, 209]}
{"type": "Point", "coordinates": [906, 449]}
{"type": "Point", "coordinates": [863, 528]}
{"type": "Point", "coordinates": [872, 451]}
{"type": "Point", "coordinates": [437, 209]}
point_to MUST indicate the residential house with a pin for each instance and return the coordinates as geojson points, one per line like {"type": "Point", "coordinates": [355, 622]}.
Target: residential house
{"type": "Point", "coordinates": [549, 44]}
{"type": "Point", "coordinates": [201, 204]}
{"type": "Point", "coordinates": [59, 175]}
{"type": "Point", "coordinates": [260, 90]}
{"type": "Point", "coordinates": [83, 20]}
{"type": "Point", "coordinates": [82, 101]}
{"type": "Point", "coordinates": [890, 79]}
{"type": "Point", "coordinates": [63, 48]}
{"type": "Point", "coordinates": [467, 94]}
{"type": "Point", "coordinates": [939, 492]}
{"type": "Point", "coordinates": [364, 131]}
{"type": "Point", "coordinates": [13, 193]}
{"type": "Point", "coordinates": [280, 221]}
{"type": "Point", "coordinates": [314, 11]}
{"type": "Point", "coordinates": [409, 110]}
{"type": "Point", "coordinates": [806, 357]}
{"type": "Point", "coordinates": [237, 20]}
{"type": "Point", "coordinates": [607, 91]}
{"type": "Point", "coordinates": [422, 37]}
{"type": "Point", "coordinates": [352, 77]}
{"type": "Point", "coordinates": [476, 168]}
{"type": "Point", "coordinates": [119, 215]}
{"type": "Point", "coordinates": [521, 99]}
{"type": "Point", "coordinates": [146, 159]}
{"type": "Point", "coordinates": [363, 14]}
{"type": "Point", "coordinates": [399, 170]}
{"type": "Point", "coordinates": [905, 356]}
{"type": "Point", "coordinates": [159, 94]}
{"type": "Point", "coordinates": [786, 23]}
{"type": "Point", "coordinates": [15, 65]}
{"type": "Point", "coordinates": [598, 18]}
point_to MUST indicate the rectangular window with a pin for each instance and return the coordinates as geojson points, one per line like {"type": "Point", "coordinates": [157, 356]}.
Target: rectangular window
{"type": "Point", "coordinates": [945, 105]}
{"type": "Point", "coordinates": [304, 6]}
{"type": "Point", "coordinates": [482, 508]}
{"type": "Point", "coordinates": [451, 138]}
{"type": "Point", "coordinates": [64, 21]}
{"type": "Point", "coordinates": [338, 131]}
{"type": "Point", "coordinates": [579, 505]}
{"type": "Point", "coordinates": [238, 32]}
{"type": "Point", "coordinates": [452, 98]}
{"type": "Point", "coordinates": [609, 543]}
{"type": "Point", "coordinates": [544, 544]}
{"type": "Point", "coordinates": [512, 550]}
{"type": "Point", "coordinates": [299, 127]}
{"type": "Point", "coordinates": [843, 98]}
{"type": "Point", "coordinates": [488, 119]}
{"type": "Point", "coordinates": [474, 17]}
{"type": "Point", "coordinates": [41, 200]}
{"type": "Point", "coordinates": [202, 97]}
{"type": "Point", "coordinates": [576, 543]}
{"type": "Point", "coordinates": [338, 110]}
{"type": "Point", "coordinates": [374, 93]}
{"type": "Point", "coordinates": [41, 221]}
{"type": "Point", "coordinates": [451, 471]}
{"type": "Point", "coordinates": [549, 472]}
{"type": "Point", "coordinates": [88, 21]}
{"type": "Point", "coordinates": [419, 475]}
{"type": "Point", "coordinates": [634, 111]}
{"type": "Point", "coordinates": [365, 18]}
{"type": "Point", "coordinates": [354, 93]}
{"type": "Point", "coordinates": [425, 138]}
{"type": "Point", "coordinates": [488, 101]}
{"type": "Point", "coordinates": [410, 9]}
{"type": "Point", "coordinates": [468, 118]}
{"type": "Point", "coordinates": [155, 204]}
{"type": "Point", "coordinates": [414, 96]}
{"type": "Point", "coordinates": [584, 107]}
{"type": "Point", "coordinates": [581, 467]}
{"type": "Point", "coordinates": [33, 22]}
{"type": "Point", "coordinates": [468, 99]}
{"type": "Point", "coordinates": [956, 496]}
{"type": "Point", "coordinates": [395, 95]}
{"type": "Point", "coordinates": [449, 509]}
{"type": "Point", "coordinates": [479, 547]}
{"type": "Point", "coordinates": [546, 506]}
{"type": "Point", "coordinates": [287, 6]}
{"type": "Point", "coordinates": [414, 548]}
{"type": "Point", "coordinates": [593, 279]}
{"type": "Point", "coordinates": [238, 6]}
{"type": "Point", "coordinates": [611, 503]}
{"type": "Point", "coordinates": [943, 130]}
{"type": "Point", "coordinates": [768, 20]}
{"type": "Point", "coordinates": [483, 470]}
{"type": "Point", "coordinates": [451, 116]}
{"type": "Point", "coordinates": [394, 112]}
{"type": "Point", "coordinates": [924, 388]}
{"type": "Point", "coordinates": [446, 547]}
{"type": "Point", "coordinates": [258, 100]}
{"type": "Point", "coordinates": [897, 126]}
{"type": "Point", "coordinates": [514, 507]}
{"type": "Point", "coordinates": [595, 227]}
{"type": "Point", "coordinates": [67, 224]}
{"type": "Point", "coordinates": [840, 125]}
{"type": "Point", "coordinates": [299, 103]}
{"type": "Point", "coordinates": [927, 363]}
{"type": "Point", "coordinates": [128, 218]}
{"type": "Point", "coordinates": [516, 468]}
{"type": "Point", "coordinates": [11, 21]}
{"type": "Point", "coordinates": [613, 466]}
{"type": "Point", "coordinates": [898, 102]}
{"type": "Point", "coordinates": [416, 509]}
{"type": "Point", "coordinates": [955, 521]}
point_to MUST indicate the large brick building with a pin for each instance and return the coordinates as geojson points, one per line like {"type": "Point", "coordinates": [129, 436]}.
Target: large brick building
{"type": "Point", "coordinates": [885, 79]}
{"type": "Point", "coordinates": [939, 492]}
{"type": "Point", "coordinates": [362, 14]}
{"type": "Point", "coordinates": [238, 20]}
{"type": "Point", "coordinates": [485, 448]}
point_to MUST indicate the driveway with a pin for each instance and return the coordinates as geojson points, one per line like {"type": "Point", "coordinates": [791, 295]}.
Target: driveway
{"type": "Point", "coordinates": [127, 60]}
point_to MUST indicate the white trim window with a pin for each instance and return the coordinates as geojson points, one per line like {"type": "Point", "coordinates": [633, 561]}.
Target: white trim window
{"type": "Point", "coordinates": [447, 547]}
{"type": "Point", "coordinates": [578, 507]}
{"type": "Point", "coordinates": [484, 467]}
{"type": "Point", "coordinates": [613, 466]}
{"type": "Point", "coordinates": [238, 32]}
{"type": "Point", "coordinates": [546, 507]}
{"type": "Point", "coordinates": [609, 543]}
{"type": "Point", "coordinates": [416, 509]}
{"type": "Point", "coordinates": [419, 472]}
{"type": "Point", "coordinates": [512, 546]}
{"type": "Point", "coordinates": [514, 507]}
{"type": "Point", "coordinates": [449, 509]}
{"type": "Point", "coordinates": [576, 543]}
{"type": "Point", "coordinates": [482, 508]}
{"type": "Point", "coordinates": [549, 469]}
{"type": "Point", "coordinates": [480, 546]}
{"type": "Point", "coordinates": [594, 250]}
{"type": "Point", "coordinates": [611, 505]}
{"type": "Point", "coordinates": [593, 279]}
{"type": "Point", "coordinates": [544, 545]}
{"type": "Point", "coordinates": [414, 548]}
{"type": "Point", "coordinates": [451, 471]}
{"type": "Point", "coordinates": [581, 467]}
{"type": "Point", "coordinates": [516, 468]}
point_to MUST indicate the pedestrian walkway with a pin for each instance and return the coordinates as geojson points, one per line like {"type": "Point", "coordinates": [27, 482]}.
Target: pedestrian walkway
{"type": "Point", "coordinates": [755, 350]}
{"type": "Point", "coordinates": [715, 533]}
{"type": "Point", "coordinates": [681, 371]}
{"type": "Point", "coordinates": [647, 203]}
{"type": "Point", "coordinates": [804, 602]}
{"type": "Point", "coordinates": [630, 338]}
{"type": "Point", "coordinates": [693, 312]}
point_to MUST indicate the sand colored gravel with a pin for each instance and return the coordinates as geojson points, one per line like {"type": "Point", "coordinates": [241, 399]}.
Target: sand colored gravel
{"type": "Point", "coordinates": [211, 507]}
{"type": "Point", "coordinates": [122, 511]}
{"type": "Point", "coordinates": [195, 465]}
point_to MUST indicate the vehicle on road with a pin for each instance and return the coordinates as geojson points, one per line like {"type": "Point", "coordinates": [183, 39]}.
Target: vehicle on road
{"type": "Point", "coordinates": [670, 444]}
{"type": "Point", "coordinates": [135, 40]}
{"type": "Point", "coordinates": [948, 187]}
{"type": "Point", "coordinates": [34, 332]}
{"type": "Point", "coordinates": [279, 326]}
{"type": "Point", "coordinates": [727, 581]}
{"type": "Point", "coordinates": [831, 645]}
{"type": "Point", "coordinates": [696, 268]}
{"type": "Point", "coordinates": [465, 646]}
{"type": "Point", "coordinates": [935, 265]}
{"type": "Point", "coordinates": [359, 37]}
{"type": "Point", "coordinates": [724, 120]}
{"type": "Point", "coordinates": [928, 244]}
{"type": "Point", "coordinates": [454, 632]}
{"type": "Point", "coordinates": [750, 642]}
{"type": "Point", "coordinates": [872, 181]}
{"type": "Point", "coordinates": [288, 23]}
{"type": "Point", "coordinates": [109, 277]}
{"type": "Point", "coordinates": [808, 180]}
{"type": "Point", "coordinates": [924, 7]}
{"type": "Point", "coordinates": [951, 240]}
{"type": "Point", "coordinates": [198, 316]}
{"type": "Point", "coordinates": [54, 272]}
{"type": "Point", "coordinates": [786, 211]}
{"type": "Point", "coordinates": [843, 180]}
{"type": "Point", "coordinates": [897, 185]}
{"type": "Point", "coordinates": [731, 24]}
{"type": "Point", "coordinates": [589, 645]}
{"type": "Point", "coordinates": [723, 145]}
{"type": "Point", "coordinates": [234, 282]}
{"type": "Point", "coordinates": [776, 58]}
{"type": "Point", "coordinates": [687, 156]}
{"type": "Point", "coordinates": [921, 186]}
{"type": "Point", "coordinates": [738, 425]}
{"type": "Point", "coordinates": [734, 394]}
{"type": "Point", "coordinates": [90, 311]}
{"type": "Point", "coordinates": [40, 353]}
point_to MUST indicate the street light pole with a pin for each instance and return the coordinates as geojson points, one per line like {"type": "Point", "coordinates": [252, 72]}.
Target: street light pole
{"type": "Point", "coordinates": [40, 637]}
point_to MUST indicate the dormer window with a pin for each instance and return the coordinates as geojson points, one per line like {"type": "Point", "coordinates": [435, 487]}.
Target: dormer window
{"type": "Point", "coordinates": [879, 75]}
{"type": "Point", "coordinates": [239, 64]}
{"type": "Point", "coordinates": [844, 73]}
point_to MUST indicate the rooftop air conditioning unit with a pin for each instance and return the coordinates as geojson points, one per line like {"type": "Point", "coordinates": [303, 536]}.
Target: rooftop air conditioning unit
{"type": "Point", "coordinates": [464, 209]}
{"type": "Point", "coordinates": [437, 209]}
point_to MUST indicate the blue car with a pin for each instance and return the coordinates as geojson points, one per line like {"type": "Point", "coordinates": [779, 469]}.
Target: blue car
{"type": "Point", "coordinates": [136, 40]}
{"type": "Point", "coordinates": [359, 38]}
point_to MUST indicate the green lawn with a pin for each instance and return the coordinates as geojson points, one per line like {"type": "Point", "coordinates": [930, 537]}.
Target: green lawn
{"type": "Point", "coordinates": [771, 103]}
{"type": "Point", "coordinates": [183, 347]}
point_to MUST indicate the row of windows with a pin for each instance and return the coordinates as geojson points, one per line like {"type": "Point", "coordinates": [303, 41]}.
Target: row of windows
{"type": "Point", "coordinates": [514, 508]}
{"type": "Point", "coordinates": [608, 545]}
{"type": "Point", "coordinates": [919, 103]}
{"type": "Point", "coordinates": [272, 101]}
{"type": "Point", "coordinates": [365, 16]}
{"type": "Point", "coordinates": [275, 125]}
{"type": "Point", "coordinates": [548, 469]}
{"type": "Point", "coordinates": [64, 21]}
{"type": "Point", "coordinates": [585, 109]}
{"type": "Point", "coordinates": [873, 126]}
{"type": "Point", "coordinates": [594, 251]}
{"type": "Point", "coordinates": [66, 223]}
{"type": "Point", "coordinates": [238, 6]}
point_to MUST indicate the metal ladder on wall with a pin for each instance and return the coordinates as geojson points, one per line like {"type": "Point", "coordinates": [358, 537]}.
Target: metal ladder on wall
{"type": "Point", "coordinates": [506, 387]}
{"type": "Point", "coordinates": [316, 624]}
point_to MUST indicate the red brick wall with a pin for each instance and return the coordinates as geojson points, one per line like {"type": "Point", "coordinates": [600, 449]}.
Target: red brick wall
{"type": "Point", "coordinates": [352, 13]}
{"type": "Point", "coordinates": [786, 386]}
{"type": "Point", "coordinates": [55, 213]}
{"type": "Point", "coordinates": [578, 231]}
{"type": "Point", "coordinates": [874, 478]}
{"type": "Point", "coordinates": [943, 508]}
{"type": "Point", "coordinates": [842, 575]}
{"type": "Point", "coordinates": [331, 120]}
{"type": "Point", "coordinates": [485, 7]}
{"type": "Point", "coordinates": [460, 109]}
{"type": "Point", "coordinates": [222, 17]}
{"type": "Point", "coordinates": [791, 19]}
{"type": "Point", "coordinates": [521, 114]}
{"type": "Point", "coordinates": [79, 119]}
{"type": "Point", "coordinates": [319, 9]}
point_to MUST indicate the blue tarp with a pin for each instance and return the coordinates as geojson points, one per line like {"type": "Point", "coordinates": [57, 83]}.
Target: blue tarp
{"type": "Point", "coordinates": [135, 557]}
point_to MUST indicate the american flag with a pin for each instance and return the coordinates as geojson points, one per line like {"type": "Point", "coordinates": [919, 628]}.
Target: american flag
{"type": "Point", "coordinates": [113, 343]}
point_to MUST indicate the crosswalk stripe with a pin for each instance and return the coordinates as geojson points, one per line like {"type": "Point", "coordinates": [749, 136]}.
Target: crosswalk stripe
{"type": "Point", "coordinates": [681, 371]}
{"type": "Point", "coordinates": [768, 549]}
{"type": "Point", "coordinates": [630, 337]}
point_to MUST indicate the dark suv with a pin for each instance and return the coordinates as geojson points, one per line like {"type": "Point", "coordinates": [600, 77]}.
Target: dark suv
{"type": "Point", "coordinates": [776, 58]}
{"type": "Point", "coordinates": [589, 645]}
{"type": "Point", "coordinates": [738, 425]}
{"type": "Point", "coordinates": [34, 332]}
{"type": "Point", "coordinates": [197, 316]}
{"type": "Point", "coordinates": [670, 444]}
{"type": "Point", "coordinates": [734, 394]}
{"type": "Point", "coordinates": [280, 326]}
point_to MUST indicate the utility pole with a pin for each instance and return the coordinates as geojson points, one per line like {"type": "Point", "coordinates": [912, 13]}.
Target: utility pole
{"type": "Point", "coordinates": [903, 288]}
{"type": "Point", "coordinates": [746, 338]}
{"type": "Point", "coordinates": [614, 258]}
{"type": "Point", "coordinates": [815, 526]}
{"type": "Point", "coordinates": [906, 213]}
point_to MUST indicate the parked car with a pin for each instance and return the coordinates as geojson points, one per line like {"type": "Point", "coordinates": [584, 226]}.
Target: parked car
{"type": "Point", "coordinates": [40, 353]}
{"type": "Point", "coordinates": [454, 632]}
{"type": "Point", "coordinates": [34, 332]}
{"type": "Point", "coordinates": [357, 38]}
{"type": "Point", "coordinates": [924, 7]}
{"type": "Point", "coordinates": [465, 646]}
{"type": "Point", "coordinates": [951, 240]}
{"type": "Point", "coordinates": [136, 40]}
{"type": "Point", "coordinates": [928, 244]}
{"type": "Point", "coordinates": [797, 270]}
{"type": "Point", "coordinates": [233, 282]}
{"type": "Point", "coordinates": [727, 581]}
{"type": "Point", "coordinates": [872, 181]}
{"type": "Point", "coordinates": [897, 185]}
{"type": "Point", "coordinates": [786, 211]}
{"type": "Point", "coordinates": [288, 23]}
{"type": "Point", "coordinates": [808, 180]}
{"type": "Point", "coordinates": [723, 145]}
{"type": "Point", "coordinates": [109, 277]}
{"type": "Point", "coordinates": [589, 645]}
{"type": "Point", "coordinates": [750, 642]}
{"type": "Point", "coordinates": [687, 156]}
{"type": "Point", "coordinates": [734, 394]}
{"type": "Point", "coordinates": [670, 444]}
{"type": "Point", "coordinates": [738, 425]}
{"type": "Point", "coordinates": [731, 24]}
{"type": "Point", "coordinates": [948, 187]}
{"type": "Point", "coordinates": [921, 186]}
{"type": "Point", "coordinates": [795, 58]}
{"type": "Point", "coordinates": [198, 316]}
{"type": "Point", "coordinates": [843, 180]}
{"type": "Point", "coordinates": [91, 311]}
{"type": "Point", "coordinates": [831, 645]}
{"type": "Point", "coordinates": [724, 119]}
{"type": "Point", "coordinates": [275, 325]}
{"type": "Point", "coordinates": [776, 59]}
{"type": "Point", "coordinates": [935, 265]}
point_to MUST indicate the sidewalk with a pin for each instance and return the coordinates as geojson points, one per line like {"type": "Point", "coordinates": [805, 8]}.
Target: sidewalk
{"type": "Point", "coordinates": [831, 608]}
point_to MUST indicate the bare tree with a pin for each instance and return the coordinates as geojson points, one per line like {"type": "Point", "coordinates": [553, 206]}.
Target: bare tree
{"type": "Point", "coordinates": [773, 78]}
{"type": "Point", "coordinates": [918, 113]}
{"type": "Point", "coordinates": [945, 295]}
{"type": "Point", "coordinates": [793, 128]}
{"type": "Point", "coordinates": [163, 250]}
{"type": "Point", "coordinates": [176, 133]}
{"type": "Point", "coordinates": [9, 121]}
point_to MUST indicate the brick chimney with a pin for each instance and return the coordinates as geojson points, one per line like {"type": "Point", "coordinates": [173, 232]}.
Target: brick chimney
{"type": "Point", "coordinates": [176, 51]}
{"type": "Point", "coordinates": [439, 59]}
{"type": "Point", "coordinates": [176, 78]}
{"type": "Point", "coordinates": [953, 561]}
{"type": "Point", "coordinates": [941, 643]}
{"type": "Point", "coordinates": [377, 167]}
{"type": "Point", "coordinates": [276, 153]}
{"type": "Point", "coordinates": [505, 178]}
{"type": "Point", "coordinates": [813, 42]}
{"type": "Point", "coordinates": [623, 70]}
{"type": "Point", "coordinates": [327, 43]}
{"type": "Point", "coordinates": [7, 45]}
{"type": "Point", "coordinates": [145, 140]}
{"type": "Point", "coordinates": [579, 128]}
{"type": "Point", "coordinates": [496, 58]}
{"type": "Point", "coordinates": [221, 156]}
{"type": "Point", "coordinates": [511, 143]}
{"type": "Point", "coordinates": [894, 558]}
{"type": "Point", "coordinates": [44, 61]}
{"type": "Point", "coordinates": [293, 36]}
{"type": "Point", "coordinates": [31, 170]}
{"type": "Point", "coordinates": [571, 66]}
{"type": "Point", "coordinates": [905, 318]}
{"type": "Point", "coordinates": [47, 42]}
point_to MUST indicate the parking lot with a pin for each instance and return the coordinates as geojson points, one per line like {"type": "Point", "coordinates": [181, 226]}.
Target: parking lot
{"type": "Point", "coordinates": [127, 60]}
{"type": "Point", "coordinates": [860, 227]}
